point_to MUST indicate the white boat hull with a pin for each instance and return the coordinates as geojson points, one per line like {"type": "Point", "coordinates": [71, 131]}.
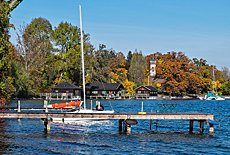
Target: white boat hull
{"type": "Point", "coordinates": [211, 96]}
{"type": "Point", "coordinates": [217, 98]}
{"type": "Point", "coordinates": [82, 111]}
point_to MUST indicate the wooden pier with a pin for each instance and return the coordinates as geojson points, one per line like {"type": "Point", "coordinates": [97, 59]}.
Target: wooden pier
{"type": "Point", "coordinates": [126, 119]}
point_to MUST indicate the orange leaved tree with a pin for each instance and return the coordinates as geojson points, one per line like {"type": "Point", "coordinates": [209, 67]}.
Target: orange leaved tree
{"type": "Point", "coordinates": [179, 72]}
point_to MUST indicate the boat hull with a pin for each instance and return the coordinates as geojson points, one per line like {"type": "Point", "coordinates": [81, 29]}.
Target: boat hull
{"type": "Point", "coordinates": [82, 111]}
{"type": "Point", "coordinates": [211, 96]}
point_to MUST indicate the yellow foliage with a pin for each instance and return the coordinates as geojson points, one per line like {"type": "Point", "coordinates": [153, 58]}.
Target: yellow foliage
{"type": "Point", "coordinates": [160, 61]}
{"type": "Point", "coordinates": [158, 86]}
{"type": "Point", "coordinates": [216, 84]}
{"type": "Point", "coordinates": [56, 81]}
{"type": "Point", "coordinates": [129, 85]}
{"type": "Point", "coordinates": [146, 71]}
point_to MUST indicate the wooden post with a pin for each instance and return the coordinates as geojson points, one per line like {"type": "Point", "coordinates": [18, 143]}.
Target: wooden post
{"type": "Point", "coordinates": [63, 124]}
{"type": "Point", "coordinates": [150, 124]}
{"type": "Point", "coordinates": [128, 129]}
{"type": "Point", "coordinates": [201, 127]}
{"type": "Point", "coordinates": [19, 107]}
{"type": "Point", "coordinates": [191, 126]}
{"type": "Point", "coordinates": [47, 124]}
{"type": "Point", "coordinates": [124, 126]}
{"type": "Point", "coordinates": [120, 124]}
{"type": "Point", "coordinates": [91, 104]}
{"type": "Point", "coordinates": [45, 104]}
{"type": "Point", "coordinates": [156, 123]}
{"type": "Point", "coordinates": [142, 107]}
{"type": "Point", "coordinates": [211, 129]}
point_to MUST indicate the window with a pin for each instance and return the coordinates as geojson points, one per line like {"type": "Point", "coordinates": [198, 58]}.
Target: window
{"type": "Point", "coordinates": [103, 92]}
{"type": "Point", "coordinates": [56, 91]}
{"type": "Point", "coordinates": [145, 91]}
{"type": "Point", "coordinates": [139, 92]}
{"type": "Point", "coordinates": [94, 92]}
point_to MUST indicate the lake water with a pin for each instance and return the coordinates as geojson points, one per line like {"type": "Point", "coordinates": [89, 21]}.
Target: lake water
{"type": "Point", "coordinates": [27, 136]}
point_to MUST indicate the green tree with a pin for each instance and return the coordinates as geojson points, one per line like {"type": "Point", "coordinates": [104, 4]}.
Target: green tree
{"type": "Point", "coordinates": [12, 4]}
{"type": "Point", "coordinates": [68, 58]}
{"type": "Point", "coordinates": [128, 60]}
{"type": "Point", "coordinates": [99, 70]}
{"type": "Point", "coordinates": [36, 49]}
{"type": "Point", "coordinates": [21, 80]}
{"type": "Point", "coordinates": [137, 68]}
{"type": "Point", "coordinates": [6, 87]}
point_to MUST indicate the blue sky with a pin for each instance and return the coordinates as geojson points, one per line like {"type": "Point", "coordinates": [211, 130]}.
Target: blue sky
{"type": "Point", "coordinates": [199, 28]}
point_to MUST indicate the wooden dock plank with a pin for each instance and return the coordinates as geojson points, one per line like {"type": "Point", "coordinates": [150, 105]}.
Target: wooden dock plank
{"type": "Point", "coordinates": [117, 116]}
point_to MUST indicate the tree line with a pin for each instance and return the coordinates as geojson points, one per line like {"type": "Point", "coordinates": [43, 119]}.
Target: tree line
{"type": "Point", "coordinates": [45, 56]}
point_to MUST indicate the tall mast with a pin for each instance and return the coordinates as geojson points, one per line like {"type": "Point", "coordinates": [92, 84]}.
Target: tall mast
{"type": "Point", "coordinates": [82, 58]}
{"type": "Point", "coordinates": [214, 79]}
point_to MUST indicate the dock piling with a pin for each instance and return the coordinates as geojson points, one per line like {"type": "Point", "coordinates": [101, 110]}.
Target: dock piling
{"type": "Point", "coordinates": [124, 126]}
{"type": "Point", "coordinates": [19, 109]}
{"type": "Point", "coordinates": [120, 125]}
{"type": "Point", "coordinates": [19, 106]}
{"type": "Point", "coordinates": [63, 122]}
{"type": "Point", "coordinates": [150, 127]}
{"type": "Point", "coordinates": [211, 129]}
{"type": "Point", "coordinates": [191, 126]}
{"type": "Point", "coordinates": [128, 129]}
{"type": "Point", "coordinates": [201, 127]}
{"type": "Point", "coordinates": [47, 124]}
{"type": "Point", "coordinates": [45, 103]}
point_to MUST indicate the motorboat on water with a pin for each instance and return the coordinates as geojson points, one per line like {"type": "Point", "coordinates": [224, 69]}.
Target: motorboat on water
{"type": "Point", "coordinates": [212, 96]}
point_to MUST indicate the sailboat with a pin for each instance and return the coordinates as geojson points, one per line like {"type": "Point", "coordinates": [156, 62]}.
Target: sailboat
{"type": "Point", "coordinates": [99, 108]}
{"type": "Point", "coordinates": [212, 96]}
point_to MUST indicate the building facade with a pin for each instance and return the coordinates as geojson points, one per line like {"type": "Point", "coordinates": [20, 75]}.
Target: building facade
{"type": "Point", "coordinates": [103, 90]}
{"type": "Point", "coordinates": [67, 89]}
{"type": "Point", "coordinates": [146, 92]}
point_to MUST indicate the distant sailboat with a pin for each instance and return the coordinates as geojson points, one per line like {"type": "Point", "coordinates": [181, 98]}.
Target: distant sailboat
{"type": "Point", "coordinates": [212, 96]}
{"type": "Point", "coordinates": [99, 108]}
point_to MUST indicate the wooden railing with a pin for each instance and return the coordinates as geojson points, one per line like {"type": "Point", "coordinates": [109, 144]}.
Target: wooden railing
{"type": "Point", "coordinates": [59, 96]}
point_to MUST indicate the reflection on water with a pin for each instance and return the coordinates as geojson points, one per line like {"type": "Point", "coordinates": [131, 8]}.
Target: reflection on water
{"type": "Point", "coordinates": [27, 136]}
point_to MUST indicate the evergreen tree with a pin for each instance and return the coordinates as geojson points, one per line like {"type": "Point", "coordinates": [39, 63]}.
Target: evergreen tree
{"type": "Point", "coordinates": [137, 67]}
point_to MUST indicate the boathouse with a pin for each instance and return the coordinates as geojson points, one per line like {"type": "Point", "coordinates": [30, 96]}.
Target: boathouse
{"type": "Point", "coordinates": [104, 90]}
{"type": "Point", "coordinates": [148, 92]}
{"type": "Point", "coordinates": [66, 90]}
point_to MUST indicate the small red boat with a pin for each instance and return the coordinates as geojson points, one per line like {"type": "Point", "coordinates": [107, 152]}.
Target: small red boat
{"type": "Point", "coordinates": [67, 104]}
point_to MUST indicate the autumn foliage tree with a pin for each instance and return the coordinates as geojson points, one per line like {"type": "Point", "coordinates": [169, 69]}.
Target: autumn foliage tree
{"type": "Point", "coordinates": [179, 72]}
{"type": "Point", "coordinates": [117, 68]}
{"type": "Point", "coordinates": [34, 65]}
